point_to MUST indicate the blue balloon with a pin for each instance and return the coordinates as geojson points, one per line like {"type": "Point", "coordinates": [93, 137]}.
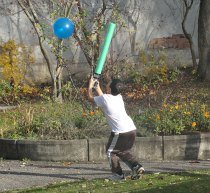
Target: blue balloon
{"type": "Point", "coordinates": [63, 28]}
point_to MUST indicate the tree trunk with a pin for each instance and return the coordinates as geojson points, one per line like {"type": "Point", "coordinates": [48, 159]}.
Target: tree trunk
{"type": "Point", "coordinates": [60, 95]}
{"type": "Point", "coordinates": [188, 6]}
{"type": "Point", "coordinates": [57, 94]}
{"type": "Point", "coordinates": [33, 18]}
{"type": "Point", "coordinates": [192, 50]}
{"type": "Point", "coordinates": [204, 40]}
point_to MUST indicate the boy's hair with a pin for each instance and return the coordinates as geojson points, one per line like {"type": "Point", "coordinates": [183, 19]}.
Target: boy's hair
{"type": "Point", "coordinates": [116, 86]}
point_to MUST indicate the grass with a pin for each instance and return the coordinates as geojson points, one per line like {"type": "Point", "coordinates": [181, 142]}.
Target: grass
{"type": "Point", "coordinates": [186, 182]}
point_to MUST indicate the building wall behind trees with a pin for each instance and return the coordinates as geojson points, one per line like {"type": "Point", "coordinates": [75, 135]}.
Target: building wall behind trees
{"type": "Point", "coordinates": [150, 25]}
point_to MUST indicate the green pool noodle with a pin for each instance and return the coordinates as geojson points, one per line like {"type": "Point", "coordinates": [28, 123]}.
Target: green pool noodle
{"type": "Point", "coordinates": [105, 48]}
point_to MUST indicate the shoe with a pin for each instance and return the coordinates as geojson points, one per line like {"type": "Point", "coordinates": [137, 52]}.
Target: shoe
{"type": "Point", "coordinates": [117, 177]}
{"type": "Point", "coordinates": [137, 172]}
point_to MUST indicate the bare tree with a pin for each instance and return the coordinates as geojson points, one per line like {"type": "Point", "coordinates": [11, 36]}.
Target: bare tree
{"type": "Point", "coordinates": [31, 10]}
{"type": "Point", "coordinates": [185, 6]}
{"type": "Point", "coordinates": [92, 19]}
{"type": "Point", "coordinates": [133, 15]}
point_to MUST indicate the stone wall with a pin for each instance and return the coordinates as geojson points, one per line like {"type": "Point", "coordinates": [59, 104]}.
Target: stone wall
{"type": "Point", "coordinates": [184, 147]}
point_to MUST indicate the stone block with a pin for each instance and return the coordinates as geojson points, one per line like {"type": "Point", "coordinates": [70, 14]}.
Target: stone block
{"type": "Point", "coordinates": [148, 148]}
{"type": "Point", "coordinates": [204, 150]}
{"type": "Point", "coordinates": [97, 149]}
{"type": "Point", "coordinates": [183, 147]}
{"type": "Point", "coordinates": [8, 149]}
{"type": "Point", "coordinates": [53, 150]}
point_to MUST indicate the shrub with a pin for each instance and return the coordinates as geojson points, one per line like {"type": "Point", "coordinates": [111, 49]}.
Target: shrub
{"type": "Point", "coordinates": [7, 124]}
{"type": "Point", "coordinates": [53, 121]}
{"type": "Point", "coordinates": [154, 71]}
{"type": "Point", "coordinates": [176, 119]}
{"type": "Point", "coordinates": [93, 124]}
{"type": "Point", "coordinates": [8, 94]}
{"type": "Point", "coordinates": [14, 62]}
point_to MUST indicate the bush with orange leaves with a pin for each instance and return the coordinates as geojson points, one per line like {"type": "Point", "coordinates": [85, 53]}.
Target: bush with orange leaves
{"type": "Point", "coordinates": [180, 118]}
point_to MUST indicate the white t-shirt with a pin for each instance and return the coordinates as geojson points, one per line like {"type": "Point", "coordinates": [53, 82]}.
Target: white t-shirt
{"type": "Point", "coordinates": [114, 110]}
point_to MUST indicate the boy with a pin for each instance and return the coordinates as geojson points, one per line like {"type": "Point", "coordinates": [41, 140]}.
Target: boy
{"type": "Point", "coordinates": [123, 132]}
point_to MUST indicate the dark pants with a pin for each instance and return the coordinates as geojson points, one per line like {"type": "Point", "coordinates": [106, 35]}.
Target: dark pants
{"type": "Point", "coordinates": [118, 147]}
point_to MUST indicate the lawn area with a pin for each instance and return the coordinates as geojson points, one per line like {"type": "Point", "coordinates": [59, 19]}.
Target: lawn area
{"type": "Point", "coordinates": [186, 182]}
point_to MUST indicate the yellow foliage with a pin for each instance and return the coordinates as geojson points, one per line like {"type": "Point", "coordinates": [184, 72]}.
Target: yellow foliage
{"type": "Point", "coordinates": [14, 60]}
{"type": "Point", "coordinates": [29, 90]}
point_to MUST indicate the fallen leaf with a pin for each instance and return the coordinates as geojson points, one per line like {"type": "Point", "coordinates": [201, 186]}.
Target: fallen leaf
{"type": "Point", "coordinates": [67, 163]}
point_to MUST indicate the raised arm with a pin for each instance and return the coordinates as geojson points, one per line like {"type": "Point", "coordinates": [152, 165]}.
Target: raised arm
{"type": "Point", "coordinates": [99, 92]}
